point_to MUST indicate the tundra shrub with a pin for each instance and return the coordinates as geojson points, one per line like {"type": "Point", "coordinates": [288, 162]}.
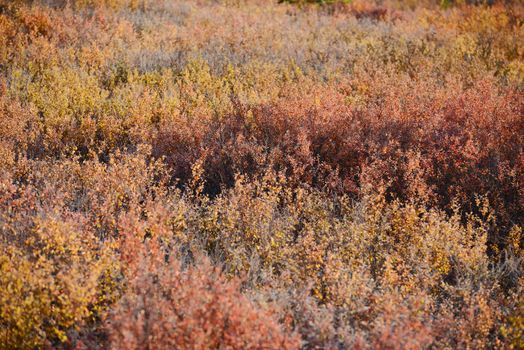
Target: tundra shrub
{"type": "Point", "coordinates": [261, 174]}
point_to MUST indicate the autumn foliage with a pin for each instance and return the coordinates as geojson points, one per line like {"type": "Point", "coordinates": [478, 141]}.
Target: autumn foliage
{"type": "Point", "coordinates": [221, 174]}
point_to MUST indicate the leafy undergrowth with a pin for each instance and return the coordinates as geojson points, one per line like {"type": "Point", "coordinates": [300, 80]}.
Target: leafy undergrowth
{"type": "Point", "coordinates": [261, 175]}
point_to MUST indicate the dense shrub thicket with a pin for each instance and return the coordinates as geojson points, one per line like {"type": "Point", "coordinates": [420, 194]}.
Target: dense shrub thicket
{"type": "Point", "coordinates": [255, 175]}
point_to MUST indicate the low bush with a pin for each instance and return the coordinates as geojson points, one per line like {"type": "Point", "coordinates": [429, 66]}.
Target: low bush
{"type": "Point", "coordinates": [249, 174]}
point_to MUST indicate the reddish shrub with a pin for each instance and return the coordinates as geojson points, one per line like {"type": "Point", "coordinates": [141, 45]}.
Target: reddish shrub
{"type": "Point", "coordinates": [440, 147]}
{"type": "Point", "coordinates": [168, 307]}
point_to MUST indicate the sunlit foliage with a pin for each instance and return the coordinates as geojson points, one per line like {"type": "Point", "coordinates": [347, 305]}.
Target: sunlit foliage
{"type": "Point", "coordinates": [247, 174]}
